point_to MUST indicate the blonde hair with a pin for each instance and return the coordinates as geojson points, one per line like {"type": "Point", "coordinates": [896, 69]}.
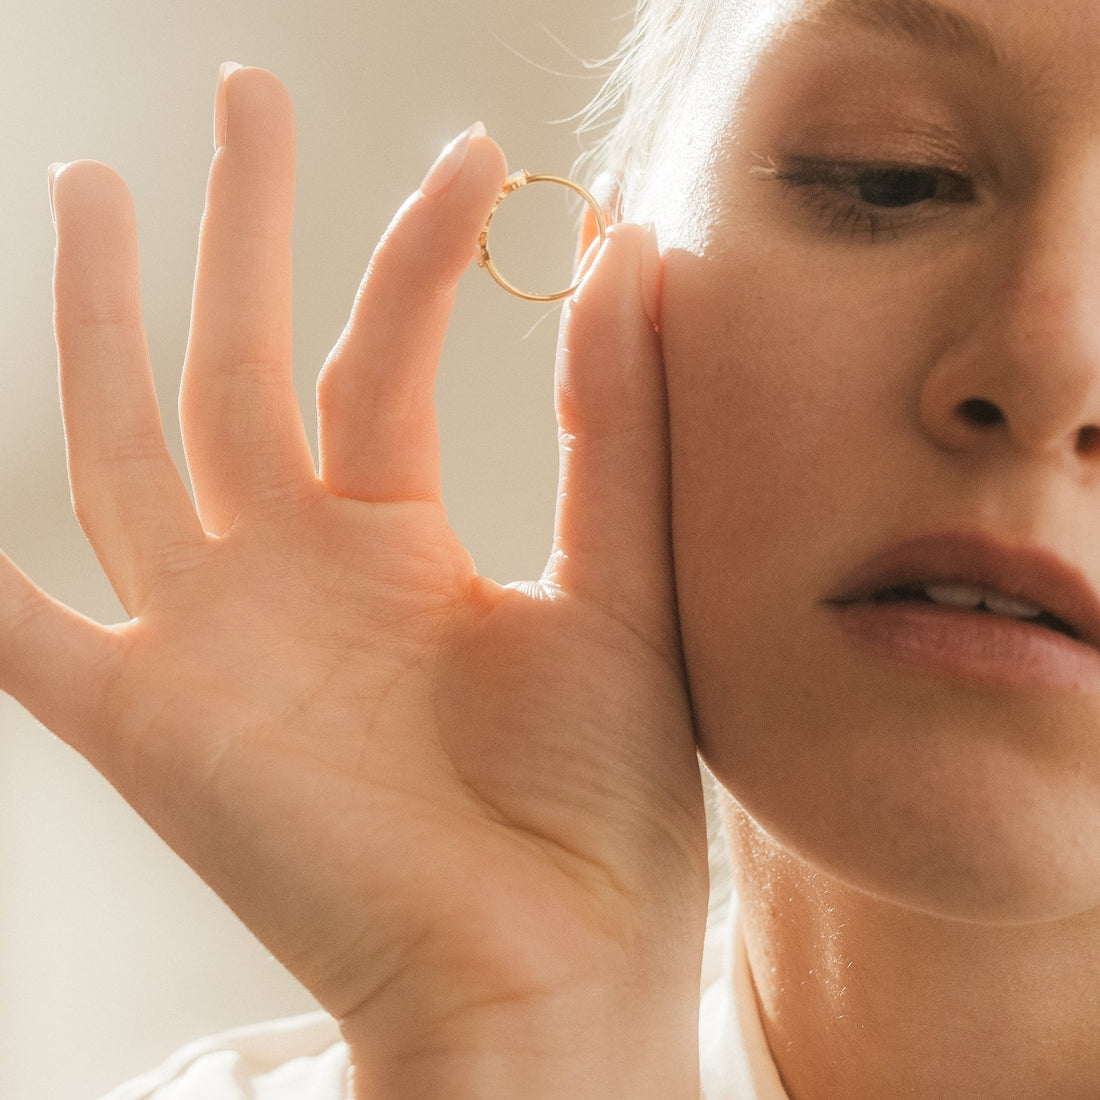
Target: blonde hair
{"type": "Point", "coordinates": [648, 73]}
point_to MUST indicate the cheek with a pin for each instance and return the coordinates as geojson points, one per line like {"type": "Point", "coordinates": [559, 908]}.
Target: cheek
{"type": "Point", "coordinates": [780, 393]}
{"type": "Point", "coordinates": [780, 409]}
{"type": "Point", "coordinates": [796, 451]}
{"type": "Point", "coordinates": [795, 385]}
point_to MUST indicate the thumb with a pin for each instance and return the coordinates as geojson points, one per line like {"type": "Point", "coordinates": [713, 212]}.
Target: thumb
{"type": "Point", "coordinates": [612, 538]}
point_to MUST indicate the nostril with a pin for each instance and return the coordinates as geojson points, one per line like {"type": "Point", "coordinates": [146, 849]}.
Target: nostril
{"type": "Point", "coordinates": [1088, 441]}
{"type": "Point", "coordinates": [980, 413]}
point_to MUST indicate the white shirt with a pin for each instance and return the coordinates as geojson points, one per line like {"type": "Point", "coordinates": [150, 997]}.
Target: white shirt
{"type": "Point", "coordinates": [304, 1058]}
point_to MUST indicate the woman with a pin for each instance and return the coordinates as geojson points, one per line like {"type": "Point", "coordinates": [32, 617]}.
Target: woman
{"type": "Point", "coordinates": [830, 460]}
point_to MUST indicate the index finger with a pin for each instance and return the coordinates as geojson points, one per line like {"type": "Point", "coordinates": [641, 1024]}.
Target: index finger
{"type": "Point", "coordinates": [378, 438]}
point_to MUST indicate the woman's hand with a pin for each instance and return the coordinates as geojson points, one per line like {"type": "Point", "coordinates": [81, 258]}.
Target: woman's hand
{"type": "Point", "coordinates": [466, 817]}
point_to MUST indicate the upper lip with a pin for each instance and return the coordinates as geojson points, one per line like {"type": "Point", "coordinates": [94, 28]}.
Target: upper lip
{"type": "Point", "coordinates": [1022, 571]}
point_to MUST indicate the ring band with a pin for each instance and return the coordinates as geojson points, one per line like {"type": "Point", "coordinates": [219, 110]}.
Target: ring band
{"type": "Point", "coordinates": [514, 183]}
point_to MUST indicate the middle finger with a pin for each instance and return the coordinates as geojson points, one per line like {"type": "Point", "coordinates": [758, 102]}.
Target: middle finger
{"type": "Point", "coordinates": [242, 427]}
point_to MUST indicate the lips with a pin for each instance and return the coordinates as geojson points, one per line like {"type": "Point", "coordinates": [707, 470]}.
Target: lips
{"type": "Point", "coordinates": [1016, 572]}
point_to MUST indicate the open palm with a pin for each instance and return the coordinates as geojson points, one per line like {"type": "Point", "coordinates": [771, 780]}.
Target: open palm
{"type": "Point", "coordinates": [427, 794]}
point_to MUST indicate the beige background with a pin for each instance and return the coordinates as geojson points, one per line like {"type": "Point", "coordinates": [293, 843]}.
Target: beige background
{"type": "Point", "coordinates": [112, 953]}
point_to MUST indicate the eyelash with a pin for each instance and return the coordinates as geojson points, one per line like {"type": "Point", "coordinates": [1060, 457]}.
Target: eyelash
{"type": "Point", "coordinates": [827, 188]}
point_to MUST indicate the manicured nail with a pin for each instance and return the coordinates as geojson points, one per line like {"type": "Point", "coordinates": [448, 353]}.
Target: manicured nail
{"type": "Point", "coordinates": [652, 272]}
{"type": "Point", "coordinates": [52, 173]}
{"type": "Point", "coordinates": [605, 190]}
{"type": "Point", "coordinates": [450, 161]}
{"type": "Point", "coordinates": [221, 104]}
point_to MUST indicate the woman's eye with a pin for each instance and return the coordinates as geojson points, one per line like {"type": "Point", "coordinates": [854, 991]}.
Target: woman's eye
{"type": "Point", "coordinates": [855, 197]}
{"type": "Point", "coordinates": [893, 187]}
{"type": "Point", "coordinates": [897, 186]}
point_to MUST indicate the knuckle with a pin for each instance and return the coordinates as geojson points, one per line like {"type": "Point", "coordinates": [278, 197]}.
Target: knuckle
{"type": "Point", "coordinates": [141, 447]}
{"type": "Point", "coordinates": [114, 322]}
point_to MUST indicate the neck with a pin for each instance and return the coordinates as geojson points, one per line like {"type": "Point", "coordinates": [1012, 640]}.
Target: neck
{"type": "Point", "coordinates": [860, 997]}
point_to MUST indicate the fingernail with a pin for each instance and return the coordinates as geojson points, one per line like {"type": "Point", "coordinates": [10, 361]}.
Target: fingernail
{"type": "Point", "coordinates": [605, 190]}
{"type": "Point", "coordinates": [221, 104]}
{"type": "Point", "coordinates": [52, 173]}
{"type": "Point", "coordinates": [450, 161]}
{"type": "Point", "coordinates": [652, 272]}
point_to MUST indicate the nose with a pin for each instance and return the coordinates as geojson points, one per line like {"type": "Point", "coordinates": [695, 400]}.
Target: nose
{"type": "Point", "coordinates": [1023, 368]}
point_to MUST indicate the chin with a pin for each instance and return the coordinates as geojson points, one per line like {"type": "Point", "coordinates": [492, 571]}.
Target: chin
{"type": "Point", "coordinates": [980, 837]}
{"type": "Point", "coordinates": [978, 887]}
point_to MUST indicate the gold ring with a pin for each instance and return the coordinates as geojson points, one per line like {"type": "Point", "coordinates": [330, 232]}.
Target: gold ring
{"type": "Point", "coordinates": [514, 183]}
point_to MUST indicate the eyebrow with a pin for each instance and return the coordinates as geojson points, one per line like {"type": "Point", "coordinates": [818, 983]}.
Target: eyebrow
{"type": "Point", "coordinates": [921, 22]}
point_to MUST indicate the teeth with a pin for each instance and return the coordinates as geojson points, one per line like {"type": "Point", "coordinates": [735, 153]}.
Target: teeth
{"type": "Point", "coordinates": [1016, 609]}
{"type": "Point", "coordinates": [956, 595]}
{"type": "Point", "coordinates": [971, 597]}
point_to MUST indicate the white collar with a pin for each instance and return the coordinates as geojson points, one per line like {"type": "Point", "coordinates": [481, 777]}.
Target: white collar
{"type": "Point", "coordinates": [735, 1062]}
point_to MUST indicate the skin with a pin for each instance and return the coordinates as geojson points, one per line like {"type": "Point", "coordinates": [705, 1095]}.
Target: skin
{"type": "Point", "coordinates": [894, 827]}
{"type": "Point", "coordinates": [468, 818]}
{"type": "Point", "coordinates": [341, 727]}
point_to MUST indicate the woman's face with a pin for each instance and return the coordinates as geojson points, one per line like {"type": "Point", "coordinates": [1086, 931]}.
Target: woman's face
{"type": "Point", "coordinates": [881, 322]}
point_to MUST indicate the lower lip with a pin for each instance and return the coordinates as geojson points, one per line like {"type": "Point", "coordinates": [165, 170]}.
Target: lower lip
{"type": "Point", "coordinates": [972, 645]}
